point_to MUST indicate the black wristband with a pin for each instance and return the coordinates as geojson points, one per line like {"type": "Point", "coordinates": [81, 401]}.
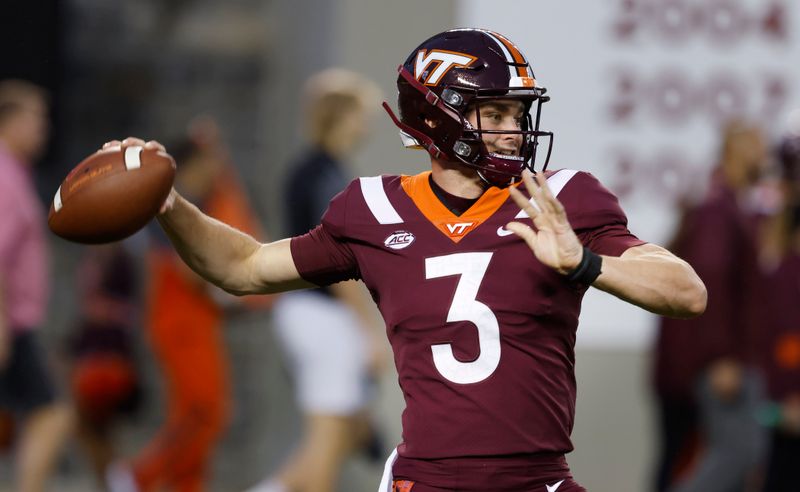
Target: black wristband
{"type": "Point", "coordinates": [588, 269]}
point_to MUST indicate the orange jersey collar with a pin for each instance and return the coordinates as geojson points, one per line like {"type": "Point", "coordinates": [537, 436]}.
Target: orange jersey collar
{"type": "Point", "coordinates": [456, 227]}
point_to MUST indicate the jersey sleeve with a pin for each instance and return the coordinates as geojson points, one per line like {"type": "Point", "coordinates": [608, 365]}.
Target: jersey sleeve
{"type": "Point", "coordinates": [323, 256]}
{"type": "Point", "coordinates": [596, 216]}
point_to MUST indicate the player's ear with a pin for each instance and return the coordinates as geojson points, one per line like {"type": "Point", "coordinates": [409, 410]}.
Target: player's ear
{"type": "Point", "coordinates": [431, 123]}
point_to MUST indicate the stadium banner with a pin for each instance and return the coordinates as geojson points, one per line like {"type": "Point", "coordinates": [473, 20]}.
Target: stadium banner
{"type": "Point", "coordinates": [640, 90]}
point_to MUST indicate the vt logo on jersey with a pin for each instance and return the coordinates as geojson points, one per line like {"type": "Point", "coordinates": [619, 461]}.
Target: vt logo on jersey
{"type": "Point", "coordinates": [399, 240]}
{"type": "Point", "coordinates": [445, 60]}
{"type": "Point", "coordinates": [459, 228]}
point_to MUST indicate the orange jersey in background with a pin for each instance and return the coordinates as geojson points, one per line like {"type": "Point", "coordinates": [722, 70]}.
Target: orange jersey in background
{"type": "Point", "coordinates": [184, 329]}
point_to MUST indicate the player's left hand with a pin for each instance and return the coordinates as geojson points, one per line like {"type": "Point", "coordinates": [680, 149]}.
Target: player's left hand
{"type": "Point", "coordinates": [552, 241]}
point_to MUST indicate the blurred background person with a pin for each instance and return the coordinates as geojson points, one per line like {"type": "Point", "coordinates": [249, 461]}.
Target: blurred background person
{"type": "Point", "coordinates": [26, 384]}
{"type": "Point", "coordinates": [183, 321]}
{"type": "Point", "coordinates": [706, 393]}
{"type": "Point", "coordinates": [329, 335]}
{"type": "Point", "coordinates": [777, 318]}
{"type": "Point", "coordinates": [104, 378]}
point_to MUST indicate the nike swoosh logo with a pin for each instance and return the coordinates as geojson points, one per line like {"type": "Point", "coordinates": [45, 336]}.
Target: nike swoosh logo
{"type": "Point", "coordinates": [554, 487]}
{"type": "Point", "coordinates": [503, 232]}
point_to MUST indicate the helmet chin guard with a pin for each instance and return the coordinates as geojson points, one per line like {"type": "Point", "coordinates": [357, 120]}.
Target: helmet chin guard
{"type": "Point", "coordinates": [454, 72]}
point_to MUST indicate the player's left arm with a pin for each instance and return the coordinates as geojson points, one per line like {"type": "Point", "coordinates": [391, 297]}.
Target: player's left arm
{"type": "Point", "coordinates": [648, 275]}
{"type": "Point", "coordinates": [655, 279]}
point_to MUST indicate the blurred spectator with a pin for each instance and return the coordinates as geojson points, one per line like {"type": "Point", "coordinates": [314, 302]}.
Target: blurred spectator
{"type": "Point", "coordinates": [328, 334]}
{"type": "Point", "coordinates": [104, 378]}
{"type": "Point", "coordinates": [26, 385]}
{"type": "Point", "coordinates": [707, 396]}
{"type": "Point", "coordinates": [777, 319]}
{"type": "Point", "coordinates": [185, 315]}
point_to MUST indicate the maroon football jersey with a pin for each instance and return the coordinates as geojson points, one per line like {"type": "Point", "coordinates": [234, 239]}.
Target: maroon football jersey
{"type": "Point", "coordinates": [483, 334]}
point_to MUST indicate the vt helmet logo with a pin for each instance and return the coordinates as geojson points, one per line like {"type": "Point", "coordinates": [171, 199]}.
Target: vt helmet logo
{"type": "Point", "coordinates": [444, 60]}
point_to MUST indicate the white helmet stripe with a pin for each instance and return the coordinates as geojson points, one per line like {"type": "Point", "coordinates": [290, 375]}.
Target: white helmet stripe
{"type": "Point", "coordinates": [512, 70]}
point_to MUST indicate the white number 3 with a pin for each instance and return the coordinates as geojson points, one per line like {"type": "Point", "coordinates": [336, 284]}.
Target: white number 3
{"type": "Point", "coordinates": [471, 267]}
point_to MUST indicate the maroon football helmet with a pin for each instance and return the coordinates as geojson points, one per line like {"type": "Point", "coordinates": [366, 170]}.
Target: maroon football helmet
{"type": "Point", "coordinates": [449, 75]}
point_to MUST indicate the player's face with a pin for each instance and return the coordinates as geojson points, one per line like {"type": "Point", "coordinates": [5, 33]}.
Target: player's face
{"type": "Point", "coordinates": [500, 114]}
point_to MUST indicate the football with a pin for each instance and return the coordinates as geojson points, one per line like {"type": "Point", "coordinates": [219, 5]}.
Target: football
{"type": "Point", "coordinates": [111, 194]}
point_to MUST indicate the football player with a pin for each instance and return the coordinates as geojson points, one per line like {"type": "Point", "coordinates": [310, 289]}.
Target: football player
{"type": "Point", "coordinates": [478, 277]}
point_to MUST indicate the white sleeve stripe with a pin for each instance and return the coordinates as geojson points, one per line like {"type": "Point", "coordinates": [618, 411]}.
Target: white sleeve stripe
{"type": "Point", "coordinates": [378, 202]}
{"type": "Point", "coordinates": [556, 182]}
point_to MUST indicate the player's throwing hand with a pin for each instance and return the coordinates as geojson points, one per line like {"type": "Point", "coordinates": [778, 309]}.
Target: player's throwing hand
{"type": "Point", "coordinates": [170, 200]}
{"type": "Point", "coordinates": [552, 241]}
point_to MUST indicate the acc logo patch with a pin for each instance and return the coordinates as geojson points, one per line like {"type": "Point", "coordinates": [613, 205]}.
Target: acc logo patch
{"type": "Point", "coordinates": [399, 240]}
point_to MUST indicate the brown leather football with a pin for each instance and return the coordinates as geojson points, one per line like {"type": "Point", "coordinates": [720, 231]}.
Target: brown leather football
{"type": "Point", "coordinates": [111, 194]}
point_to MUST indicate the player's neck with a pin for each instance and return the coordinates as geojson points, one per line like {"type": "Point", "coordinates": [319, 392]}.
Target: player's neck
{"type": "Point", "coordinates": [456, 179]}
{"type": "Point", "coordinates": [455, 204]}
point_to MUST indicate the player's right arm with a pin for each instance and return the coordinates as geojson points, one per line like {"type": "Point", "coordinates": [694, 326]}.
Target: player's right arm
{"type": "Point", "coordinates": [226, 257]}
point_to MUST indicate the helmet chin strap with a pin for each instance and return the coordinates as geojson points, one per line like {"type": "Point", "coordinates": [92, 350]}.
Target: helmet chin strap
{"type": "Point", "coordinates": [489, 183]}
{"type": "Point", "coordinates": [495, 170]}
{"type": "Point", "coordinates": [484, 180]}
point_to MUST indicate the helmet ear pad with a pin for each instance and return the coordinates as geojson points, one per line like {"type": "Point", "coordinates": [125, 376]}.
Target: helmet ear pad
{"type": "Point", "coordinates": [442, 125]}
